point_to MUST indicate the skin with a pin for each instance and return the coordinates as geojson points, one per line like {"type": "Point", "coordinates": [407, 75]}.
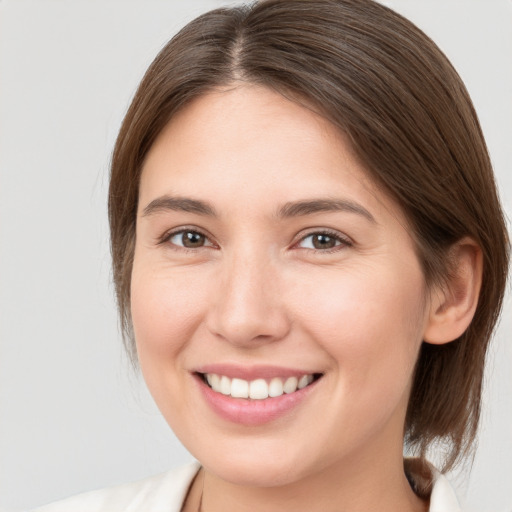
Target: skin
{"type": "Point", "coordinates": [259, 292]}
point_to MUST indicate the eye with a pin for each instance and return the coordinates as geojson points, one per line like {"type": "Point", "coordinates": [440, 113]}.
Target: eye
{"type": "Point", "coordinates": [322, 241]}
{"type": "Point", "coordinates": [188, 239]}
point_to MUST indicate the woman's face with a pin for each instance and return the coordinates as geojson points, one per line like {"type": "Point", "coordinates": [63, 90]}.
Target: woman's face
{"type": "Point", "coordinates": [266, 257]}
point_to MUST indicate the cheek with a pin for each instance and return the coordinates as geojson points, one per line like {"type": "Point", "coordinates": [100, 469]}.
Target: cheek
{"type": "Point", "coordinates": [166, 307]}
{"type": "Point", "coordinates": [166, 313]}
{"type": "Point", "coordinates": [369, 322]}
{"type": "Point", "coordinates": [164, 310]}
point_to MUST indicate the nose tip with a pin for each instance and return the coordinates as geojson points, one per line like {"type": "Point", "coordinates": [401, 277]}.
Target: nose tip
{"type": "Point", "coordinates": [248, 310]}
{"type": "Point", "coordinates": [247, 333]}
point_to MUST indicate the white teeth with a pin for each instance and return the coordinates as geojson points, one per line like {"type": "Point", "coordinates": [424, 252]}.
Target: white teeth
{"type": "Point", "coordinates": [276, 387]}
{"type": "Point", "coordinates": [290, 385]}
{"type": "Point", "coordinates": [258, 389]}
{"type": "Point", "coordinates": [239, 388]}
{"type": "Point", "coordinates": [214, 381]}
{"type": "Point", "coordinates": [225, 385]}
{"type": "Point", "coordinates": [303, 382]}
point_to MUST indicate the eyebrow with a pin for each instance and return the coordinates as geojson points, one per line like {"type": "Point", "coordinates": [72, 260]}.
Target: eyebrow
{"type": "Point", "coordinates": [180, 204]}
{"type": "Point", "coordinates": [310, 207]}
{"type": "Point", "coordinates": [290, 209]}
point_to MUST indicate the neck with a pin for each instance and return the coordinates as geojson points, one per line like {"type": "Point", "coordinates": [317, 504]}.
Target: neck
{"type": "Point", "coordinates": [382, 487]}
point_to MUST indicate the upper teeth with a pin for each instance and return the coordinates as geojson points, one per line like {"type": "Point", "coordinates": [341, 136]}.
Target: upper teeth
{"type": "Point", "coordinates": [258, 389]}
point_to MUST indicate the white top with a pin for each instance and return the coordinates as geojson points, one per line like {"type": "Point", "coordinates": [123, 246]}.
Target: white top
{"type": "Point", "coordinates": [166, 493]}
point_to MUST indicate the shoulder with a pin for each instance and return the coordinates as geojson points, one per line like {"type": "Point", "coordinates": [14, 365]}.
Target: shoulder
{"type": "Point", "coordinates": [160, 493]}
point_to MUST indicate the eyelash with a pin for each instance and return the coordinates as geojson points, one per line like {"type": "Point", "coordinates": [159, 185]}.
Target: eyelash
{"type": "Point", "coordinates": [342, 241]}
{"type": "Point", "coordinates": [166, 239]}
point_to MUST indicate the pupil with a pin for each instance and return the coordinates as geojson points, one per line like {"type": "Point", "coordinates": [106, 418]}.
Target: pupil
{"type": "Point", "coordinates": [192, 239]}
{"type": "Point", "coordinates": [323, 242]}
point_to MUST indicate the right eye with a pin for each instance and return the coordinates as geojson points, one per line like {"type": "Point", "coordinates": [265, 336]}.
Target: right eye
{"type": "Point", "coordinates": [188, 239]}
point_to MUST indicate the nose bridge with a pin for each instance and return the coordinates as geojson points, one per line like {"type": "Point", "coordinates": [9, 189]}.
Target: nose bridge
{"type": "Point", "coordinates": [248, 306]}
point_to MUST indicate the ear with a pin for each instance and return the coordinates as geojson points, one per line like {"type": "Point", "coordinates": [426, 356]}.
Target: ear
{"type": "Point", "coordinates": [453, 305]}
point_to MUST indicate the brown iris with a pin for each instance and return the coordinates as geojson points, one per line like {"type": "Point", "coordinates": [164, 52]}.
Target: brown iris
{"type": "Point", "coordinates": [322, 241]}
{"type": "Point", "coordinates": [192, 239]}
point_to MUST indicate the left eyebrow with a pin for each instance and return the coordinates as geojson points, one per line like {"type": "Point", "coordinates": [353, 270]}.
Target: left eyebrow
{"type": "Point", "coordinates": [310, 207]}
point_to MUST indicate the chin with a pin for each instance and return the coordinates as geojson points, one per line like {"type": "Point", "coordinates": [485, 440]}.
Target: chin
{"type": "Point", "coordinates": [260, 474]}
{"type": "Point", "coordinates": [257, 467]}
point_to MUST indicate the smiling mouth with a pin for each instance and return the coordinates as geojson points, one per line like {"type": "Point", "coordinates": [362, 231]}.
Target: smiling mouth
{"type": "Point", "coordinates": [258, 389]}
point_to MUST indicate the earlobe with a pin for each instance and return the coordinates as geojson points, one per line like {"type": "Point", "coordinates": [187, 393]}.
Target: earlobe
{"type": "Point", "coordinates": [453, 305]}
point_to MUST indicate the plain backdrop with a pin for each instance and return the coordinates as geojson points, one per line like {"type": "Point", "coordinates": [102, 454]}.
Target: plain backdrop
{"type": "Point", "coordinates": [73, 416]}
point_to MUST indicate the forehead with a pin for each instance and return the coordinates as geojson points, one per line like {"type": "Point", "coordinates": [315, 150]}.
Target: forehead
{"type": "Point", "coordinates": [251, 144]}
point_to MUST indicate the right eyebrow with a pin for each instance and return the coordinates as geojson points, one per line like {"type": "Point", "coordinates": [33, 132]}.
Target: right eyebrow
{"type": "Point", "coordinates": [180, 204]}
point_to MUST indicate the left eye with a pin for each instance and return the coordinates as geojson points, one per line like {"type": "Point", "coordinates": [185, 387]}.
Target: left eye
{"type": "Point", "coordinates": [189, 239]}
{"type": "Point", "coordinates": [321, 241]}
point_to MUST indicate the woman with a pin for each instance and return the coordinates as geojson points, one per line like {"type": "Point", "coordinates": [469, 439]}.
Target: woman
{"type": "Point", "coordinates": [309, 258]}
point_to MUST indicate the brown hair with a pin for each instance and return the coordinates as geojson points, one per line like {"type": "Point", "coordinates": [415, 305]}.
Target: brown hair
{"type": "Point", "coordinates": [409, 118]}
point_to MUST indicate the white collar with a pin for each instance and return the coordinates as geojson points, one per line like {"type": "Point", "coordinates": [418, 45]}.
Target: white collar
{"type": "Point", "coordinates": [442, 498]}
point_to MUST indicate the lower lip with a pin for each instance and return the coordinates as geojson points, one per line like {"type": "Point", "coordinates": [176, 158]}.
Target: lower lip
{"type": "Point", "coordinates": [249, 412]}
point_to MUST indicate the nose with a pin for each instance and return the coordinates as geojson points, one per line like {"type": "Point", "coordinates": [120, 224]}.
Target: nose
{"type": "Point", "coordinates": [248, 308]}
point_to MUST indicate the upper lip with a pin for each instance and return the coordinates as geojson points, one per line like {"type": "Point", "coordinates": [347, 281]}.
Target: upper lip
{"type": "Point", "coordinates": [252, 372]}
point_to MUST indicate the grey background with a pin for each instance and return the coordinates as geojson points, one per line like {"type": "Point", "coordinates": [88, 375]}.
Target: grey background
{"type": "Point", "coordinates": [73, 416]}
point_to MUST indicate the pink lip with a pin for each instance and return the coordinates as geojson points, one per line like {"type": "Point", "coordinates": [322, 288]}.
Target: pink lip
{"type": "Point", "coordinates": [252, 372]}
{"type": "Point", "coordinates": [252, 412]}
